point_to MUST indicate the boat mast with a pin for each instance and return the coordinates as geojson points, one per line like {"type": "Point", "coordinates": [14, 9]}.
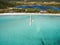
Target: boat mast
{"type": "Point", "coordinates": [30, 20]}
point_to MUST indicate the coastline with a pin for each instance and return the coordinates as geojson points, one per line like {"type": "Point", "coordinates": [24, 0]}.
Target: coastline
{"type": "Point", "coordinates": [2, 14]}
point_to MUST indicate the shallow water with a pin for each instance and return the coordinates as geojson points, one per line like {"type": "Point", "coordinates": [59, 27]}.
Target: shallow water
{"type": "Point", "coordinates": [15, 30]}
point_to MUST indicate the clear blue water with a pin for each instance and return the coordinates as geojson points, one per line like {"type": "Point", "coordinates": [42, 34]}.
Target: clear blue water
{"type": "Point", "coordinates": [15, 30]}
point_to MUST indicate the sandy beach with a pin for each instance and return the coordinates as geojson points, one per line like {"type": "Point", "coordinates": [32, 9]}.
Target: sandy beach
{"type": "Point", "coordinates": [29, 14]}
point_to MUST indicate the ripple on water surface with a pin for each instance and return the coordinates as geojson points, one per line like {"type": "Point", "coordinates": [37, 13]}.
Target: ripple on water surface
{"type": "Point", "coordinates": [15, 30]}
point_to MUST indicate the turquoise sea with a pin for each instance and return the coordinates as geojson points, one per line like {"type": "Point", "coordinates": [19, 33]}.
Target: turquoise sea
{"type": "Point", "coordinates": [44, 30]}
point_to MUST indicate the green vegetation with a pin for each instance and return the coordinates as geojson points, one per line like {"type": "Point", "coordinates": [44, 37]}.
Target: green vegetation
{"type": "Point", "coordinates": [53, 11]}
{"type": "Point", "coordinates": [32, 10]}
{"type": "Point", "coordinates": [19, 10]}
{"type": "Point", "coordinates": [56, 5]}
{"type": "Point", "coordinates": [2, 5]}
{"type": "Point", "coordinates": [2, 11]}
{"type": "Point", "coordinates": [5, 5]}
{"type": "Point", "coordinates": [26, 10]}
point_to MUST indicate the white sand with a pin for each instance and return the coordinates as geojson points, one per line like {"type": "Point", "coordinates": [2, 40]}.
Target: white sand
{"type": "Point", "coordinates": [29, 14]}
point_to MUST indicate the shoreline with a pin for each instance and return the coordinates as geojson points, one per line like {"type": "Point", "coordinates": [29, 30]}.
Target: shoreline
{"type": "Point", "coordinates": [1, 14]}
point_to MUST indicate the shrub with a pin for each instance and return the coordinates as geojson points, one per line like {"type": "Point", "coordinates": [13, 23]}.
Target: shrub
{"type": "Point", "coordinates": [53, 11]}
{"type": "Point", "coordinates": [32, 10]}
